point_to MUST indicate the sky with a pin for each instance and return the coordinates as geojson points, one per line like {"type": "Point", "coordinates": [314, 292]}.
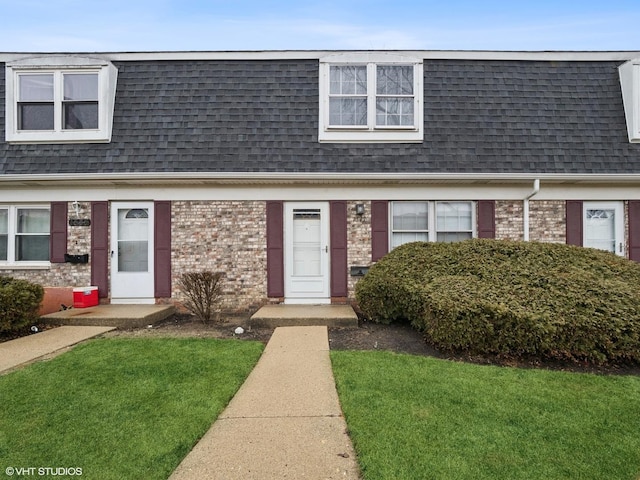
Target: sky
{"type": "Point", "coordinates": [199, 25]}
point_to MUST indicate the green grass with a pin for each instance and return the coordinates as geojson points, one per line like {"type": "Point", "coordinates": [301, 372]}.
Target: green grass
{"type": "Point", "coordinates": [119, 408]}
{"type": "Point", "coordinates": [423, 418]}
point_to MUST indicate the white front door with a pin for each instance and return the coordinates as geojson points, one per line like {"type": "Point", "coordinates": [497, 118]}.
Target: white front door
{"type": "Point", "coordinates": [604, 226]}
{"type": "Point", "coordinates": [307, 252]}
{"type": "Point", "coordinates": [132, 247]}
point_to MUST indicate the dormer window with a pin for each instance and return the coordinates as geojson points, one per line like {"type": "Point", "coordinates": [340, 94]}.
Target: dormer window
{"type": "Point", "coordinates": [370, 98]}
{"type": "Point", "coordinates": [68, 104]}
{"type": "Point", "coordinates": [630, 82]}
{"type": "Point", "coordinates": [73, 96]}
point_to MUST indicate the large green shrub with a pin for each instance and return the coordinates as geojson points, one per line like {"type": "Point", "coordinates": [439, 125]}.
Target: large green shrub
{"type": "Point", "coordinates": [511, 298]}
{"type": "Point", "coordinates": [19, 303]}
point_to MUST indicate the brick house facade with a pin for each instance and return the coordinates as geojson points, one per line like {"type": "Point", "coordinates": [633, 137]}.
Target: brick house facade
{"type": "Point", "coordinates": [255, 164]}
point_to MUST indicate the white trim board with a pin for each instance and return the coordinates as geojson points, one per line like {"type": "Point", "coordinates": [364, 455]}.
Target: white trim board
{"type": "Point", "coordinates": [324, 192]}
{"type": "Point", "coordinates": [619, 55]}
{"type": "Point", "coordinates": [195, 178]}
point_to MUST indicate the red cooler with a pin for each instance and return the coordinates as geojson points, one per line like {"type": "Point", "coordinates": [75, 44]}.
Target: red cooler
{"type": "Point", "coordinates": [84, 297]}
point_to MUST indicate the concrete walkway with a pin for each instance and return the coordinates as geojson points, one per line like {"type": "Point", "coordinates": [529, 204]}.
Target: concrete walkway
{"type": "Point", "coordinates": [272, 316]}
{"type": "Point", "coordinates": [285, 422]}
{"type": "Point", "coordinates": [120, 316]}
{"type": "Point", "coordinates": [27, 349]}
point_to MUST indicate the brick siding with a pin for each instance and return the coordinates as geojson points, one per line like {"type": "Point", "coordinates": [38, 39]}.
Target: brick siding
{"type": "Point", "coordinates": [225, 236]}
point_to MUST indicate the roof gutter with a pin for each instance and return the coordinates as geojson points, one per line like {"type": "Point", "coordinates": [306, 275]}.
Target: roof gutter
{"type": "Point", "coordinates": [341, 177]}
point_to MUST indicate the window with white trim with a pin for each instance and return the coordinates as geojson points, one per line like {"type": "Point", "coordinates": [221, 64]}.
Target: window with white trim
{"type": "Point", "coordinates": [57, 101]}
{"type": "Point", "coordinates": [630, 84]}
{"type": "Point", "coordinates": [445, 221]}
{"type": "Point", "coordinates": [368, 98]}
{"type": "Point", "coordinates": [59, 104]}
{"type": "Point", "coordinates": [24, 234]}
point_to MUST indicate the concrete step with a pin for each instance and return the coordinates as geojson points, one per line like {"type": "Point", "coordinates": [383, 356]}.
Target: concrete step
{"type": "Point", "coordinates": [120, 316]}
{"type": "Point", "coordinates": [272, 316]}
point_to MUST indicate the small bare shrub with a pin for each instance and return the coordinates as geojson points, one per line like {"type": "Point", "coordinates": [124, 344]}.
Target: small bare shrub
{"type": "Point", "coordinates": [204, 292]}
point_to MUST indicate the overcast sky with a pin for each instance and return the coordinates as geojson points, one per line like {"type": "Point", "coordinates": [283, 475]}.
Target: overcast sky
{"type": "Point", "coordinates": [175, 25]}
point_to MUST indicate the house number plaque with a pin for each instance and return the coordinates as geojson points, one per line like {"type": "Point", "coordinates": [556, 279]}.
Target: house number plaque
{"type": "Point", "coordinates": [79, 222]}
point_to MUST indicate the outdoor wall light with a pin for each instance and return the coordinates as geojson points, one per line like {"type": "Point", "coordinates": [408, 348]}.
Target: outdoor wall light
{"type": "Point", "coordinates": [359, 208]}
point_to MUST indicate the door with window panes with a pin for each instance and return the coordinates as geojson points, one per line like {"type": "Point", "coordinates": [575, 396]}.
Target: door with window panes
{"type": "Point", "coordinates": [603, 226]}
{"type": "Point", "coordinates": [132, 244]}
{"type": "Point", "coordinates": [306, 252]}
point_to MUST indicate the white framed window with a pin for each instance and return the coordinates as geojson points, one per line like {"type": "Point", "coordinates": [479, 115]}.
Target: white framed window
{"type": "Point", "coordinates": [48, 103]}
{"type": "Point", "coordinates": [409, 223]}
{"type": "Point", "coordinates": [370, 98]}
{"type": "Point", "coordinates": [414, 221]}
{"type": "Point", "coordinates": [24, 234]}
{"type": "Point", "coordinates": [454, 221]}
{"type": "Point", "coordinates": [630, 83]}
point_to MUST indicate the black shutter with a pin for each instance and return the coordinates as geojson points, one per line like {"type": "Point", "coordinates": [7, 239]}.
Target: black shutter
{"type": "Point", "coordinates": [338, 233]}
{"type": "Point", "coordinates": [634, 230]}
{"type": "Point", "coordinates": [379, 229]}
{"type": "Point", "coordinates": [58, 232]}
{"type": "Point", "coordinates": [275, 249]}
{"type": "Point", "coordinates": [162, 257]}
{"type": "Point", "coordinates": [100, 247]}
{"type": "Point", "coordinates": [486, 219]}
{"type": "Point", "coordinates": [574, 222]}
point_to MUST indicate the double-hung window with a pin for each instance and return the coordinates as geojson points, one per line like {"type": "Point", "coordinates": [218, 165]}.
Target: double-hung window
{"type": "Point", "coordinates": [59, 104]}
{"type": "Point", "coordinates": [376, 98]}
{"type": "Point", "coordinates": [24, 234]}
{"type": "Point", "coordinates": [431, 222]}
{"type": "Point", "coordinates": [454, 221]}
{"type": "Point", "coordinates": [57, 101]}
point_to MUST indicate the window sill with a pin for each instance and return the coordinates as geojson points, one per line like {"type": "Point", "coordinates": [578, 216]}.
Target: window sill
{"type": "Point", "coordinates": [387, 135]}
{"type": "Point", "coordinates": [90, 136]}
{"type": "Point", "coordinates": [25, 266]}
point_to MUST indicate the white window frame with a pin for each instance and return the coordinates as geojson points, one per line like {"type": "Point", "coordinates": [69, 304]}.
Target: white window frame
{"type": "Point", "coordinates": [13, 232]}
{"type": "Point", "coordinates": [432, 231]}
{"type": "Point", "coordinates": [58, 66]}
{"type": "Point", "coordinates": [370, 133]}
{"type": "Point", "coordinates": [630, 82]}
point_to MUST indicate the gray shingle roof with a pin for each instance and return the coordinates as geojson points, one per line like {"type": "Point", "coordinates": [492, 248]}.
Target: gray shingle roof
{"type": "Point", "coordinates": [486, 116]}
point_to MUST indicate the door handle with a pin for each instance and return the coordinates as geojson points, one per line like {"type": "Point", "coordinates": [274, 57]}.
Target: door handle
{"type": "Point", "coordinates": [620, 247]}
{"type": "Point", "coordinates": [326, 248]}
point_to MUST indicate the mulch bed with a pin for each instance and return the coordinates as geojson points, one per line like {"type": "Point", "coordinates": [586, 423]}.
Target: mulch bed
{"type": "Point", "coordinates": [29, 329]}
{"type": "Point", "coordinates": [397, 337]}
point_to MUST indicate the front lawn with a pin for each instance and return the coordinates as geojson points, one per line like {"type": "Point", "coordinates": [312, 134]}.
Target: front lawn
{"type": "Point", "coordinates": [119, 408]}
{"type": "Point", "coordinates": [422, 418]}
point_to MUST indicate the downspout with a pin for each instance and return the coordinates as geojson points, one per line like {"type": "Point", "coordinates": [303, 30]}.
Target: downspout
{"type": "Point", "coordinates": [525, 209]}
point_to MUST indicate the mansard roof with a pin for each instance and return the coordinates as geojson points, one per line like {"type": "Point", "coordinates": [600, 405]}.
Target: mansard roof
{"type": "Point", "coordinates": [234, 112]}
